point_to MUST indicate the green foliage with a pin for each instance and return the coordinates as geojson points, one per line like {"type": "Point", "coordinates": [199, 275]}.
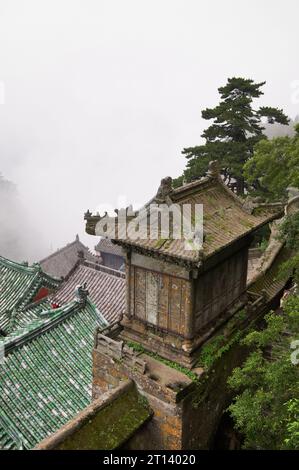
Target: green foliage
{"type": "Point", "coordinates": [236, 128]}
{"type": "Point", "coordinates": [274, 166]}
{"type": "Point", "coordinates": [265, 409]}
{"type": "Point", "coordinates": [219, 345]}
{"type": "Point", "coordinates": [292, 410]}
{"type": "Point", "coordinates": [289, 232]}
{"type": "Point", "coordinates": [174, 365]}
{"type": "Point", "coordinates": [263, 244]}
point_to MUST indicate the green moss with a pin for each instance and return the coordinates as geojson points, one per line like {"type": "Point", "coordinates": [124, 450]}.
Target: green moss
{"type": "Point", "coordinates": [160, 242]}
{"type": "Point", "coordinates": [214, 349]}
{"type": "Point", "coordinates": [111, 426]}
{"type": "Point", "coordinates": [208, 238]}
{"type": "Point", "coordinates": [246, 223]}
{"type": "Point", "coordinates": [174, 365]}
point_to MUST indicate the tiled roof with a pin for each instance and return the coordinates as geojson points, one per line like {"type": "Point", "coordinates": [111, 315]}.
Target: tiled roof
{"type": "Point", "coordinates": [19, 284]}
{"type": "Point", "coordinates": [106, 246]}
{"type": "Point", "coordinates": [225, 220]}
{"type": "Point", "coordinates": [61, 263]}
{"type": "Point", "coordinates": [106, 289]}
{"type": "Point", "coordinates": [29, 314]}
{"type": "Point", "coordinates": [270, 281]}
{"type": "Point", "coordinates": [46, 377]}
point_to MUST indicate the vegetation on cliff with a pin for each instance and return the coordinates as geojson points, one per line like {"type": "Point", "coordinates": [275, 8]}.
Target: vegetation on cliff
{"type": "Point", "coordinates": [266, 408]}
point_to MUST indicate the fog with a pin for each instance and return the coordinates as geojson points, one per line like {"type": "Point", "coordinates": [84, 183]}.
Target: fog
{"type": "Point", "coordinates": [100, 97]}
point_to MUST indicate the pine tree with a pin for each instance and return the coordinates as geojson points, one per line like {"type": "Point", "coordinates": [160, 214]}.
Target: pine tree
{"type": "Point", "coordinates": [236, 128]}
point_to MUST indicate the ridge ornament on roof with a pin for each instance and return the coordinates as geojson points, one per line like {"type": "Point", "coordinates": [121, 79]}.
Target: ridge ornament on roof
{"type": "Point", "coordinates": [226, 218]}
{"type": "Point", "coordinates": [81, 293]}
{"type": "Point", "coordinates": [176, 297]}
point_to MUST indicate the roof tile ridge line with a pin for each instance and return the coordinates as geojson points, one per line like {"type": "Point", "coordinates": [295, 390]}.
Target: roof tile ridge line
{"type": "Point", "coordinates": [34, 287]}
{"type": "Point", "coordinates": [48, 277]}
{"type": "Point", "coordinates": [104, 269]}
{"type": "Point", "coordinates": [18, 266]}
{"type": "Point", "coordinates": [65, 247]}
{"type": "Point", "coordinates": [272, 218]}
{"type": "Point", "coordinates": [36, 303]}
{"type": "Point", "coordinates": [231, 193]}
{"type": "Point", "coordinates": [193, 184]}
{"type": "Point", "coordinates": [71, 272]}
{"type": "Point", "coordinates": [181, 260]}
{"type": "Point", "coordinates": [93, 255]}
{"type": "Point", "coordinates": [268, 264]}
{"type": "Point", "coordinates": [110, 244]}
{"type": "Point", "coordinates": [32, 290]}
{"type": "Point", "coordinates": [24, 299]}
{"type": "Point", "coordinates": [17, 342]}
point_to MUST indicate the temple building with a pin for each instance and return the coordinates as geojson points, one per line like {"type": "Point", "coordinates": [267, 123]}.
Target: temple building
{"type": "Point", "coordinates": [111, 255]}
{"type": "Point", "coordinates": [138, 360]}
{"type": "Point", "coordinates": [61, 263]}
{"type": "Point", "coordinates": [47, 337]}
{"type": "Point", "coordinates": [106, 288]}
{"type": "Point", "coordinates": [46, 376]}
{"type": "Point", "coordinates": [177, 297]}
{"type": "Point", "coordinates": [20, 285]}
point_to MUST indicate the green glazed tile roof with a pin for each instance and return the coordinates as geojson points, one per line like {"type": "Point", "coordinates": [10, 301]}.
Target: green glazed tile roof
{"type": "Point", "coordinates": [19, 284]}
{"type": "Point", "coordinates": [47, 374]}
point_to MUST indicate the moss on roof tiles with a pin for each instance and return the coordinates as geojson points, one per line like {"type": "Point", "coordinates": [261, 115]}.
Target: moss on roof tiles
{"type": "Point", "coordinates": [271, 281]}
{"type": "Point", "coordinates": [225, 220]}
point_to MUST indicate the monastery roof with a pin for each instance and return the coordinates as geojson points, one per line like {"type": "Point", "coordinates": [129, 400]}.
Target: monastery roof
{"type": "Point", "coordinates": [19, 284]}
{"type": "Point", "coordinates": [106, 288]}
{"type": "Point", "coordinates": [46, 377]}
{"type": "Point", "coordinates": [226, 218]}
{"type": "Point", "coordinates": [270, 281]}
{"type": "Point", "coordinates": [61, 262]}
{"type": "Point", "coordinates": [106, 246]}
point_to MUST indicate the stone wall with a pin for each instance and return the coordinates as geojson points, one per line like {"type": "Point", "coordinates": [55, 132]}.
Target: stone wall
{"type": "Point", "coordinates": [107, 423]}
{"type": "Point", "coordinates": [186, 411]}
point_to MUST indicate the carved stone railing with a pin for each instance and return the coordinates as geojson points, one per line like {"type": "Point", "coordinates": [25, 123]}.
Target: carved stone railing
{"type": "Point", "coordinates": [119, 351]}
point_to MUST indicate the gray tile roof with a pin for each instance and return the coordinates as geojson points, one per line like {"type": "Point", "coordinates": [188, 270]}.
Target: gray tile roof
{"type": "Point", "coordinates": [106, 289]}
{"type": "Point", "coordinates": [61, 263]}
{"type": "Point", "coordinates": [106, 246]}
{"type": "Point", "coordinates": [225, 219]}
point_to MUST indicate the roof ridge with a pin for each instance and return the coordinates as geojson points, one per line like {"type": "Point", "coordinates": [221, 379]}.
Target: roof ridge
{"type": "Point", "coordinates": [67, 246]}
{"type": "Point", "coordinates": [34, 286]}
{"type": "Point", "coordinates": [191, 185]}
{"type": "Point", "coordinates": [19, 266]}
{"type": "Point", "coordinates": [34, 329]}
{"type": "Point", "coordinates": [102, 268]}
{"type": "Point", "coordinates": [11, 431]}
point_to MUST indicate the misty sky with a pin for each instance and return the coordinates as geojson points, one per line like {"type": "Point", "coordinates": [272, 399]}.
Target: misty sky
{"type": "Point", "coordinates": [101, 96]}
